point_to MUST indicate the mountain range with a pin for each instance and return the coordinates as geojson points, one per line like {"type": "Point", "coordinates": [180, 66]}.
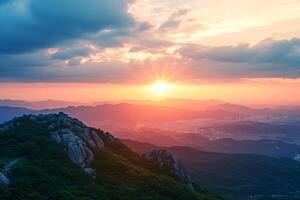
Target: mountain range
{"type": "Point", "coordinates": [271, 113]}
{"type": "Point", "coordinates": [123, 112]}
{"type": "Point", "coordinates": [186, 104]}
{"type": "Point", "coordinates": [37, 105]}
{"type": "Point", "coordinates": [235, 167]}
{"type": "Point", "coordinates": [58, 157]}
{"type": "Point", "coordinates": [124, 120]}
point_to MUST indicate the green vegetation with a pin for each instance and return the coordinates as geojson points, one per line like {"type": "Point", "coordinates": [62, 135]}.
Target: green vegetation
{"type": "Point", "coordinates": [44, 172]}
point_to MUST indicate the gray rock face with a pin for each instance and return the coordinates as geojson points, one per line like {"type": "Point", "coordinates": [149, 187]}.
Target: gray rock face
{"type": "Point", "coordinates": [167, 160]}
{"type": "Point", "coordinates": [77, 149]}
{"type": "Point", "coordinates": [4, 180]}
{"type": "Point", "coordinates": [73, 135]}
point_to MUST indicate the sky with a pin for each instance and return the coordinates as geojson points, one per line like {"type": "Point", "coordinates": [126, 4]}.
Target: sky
{"type": "Point", "coordinates": [87, 50]}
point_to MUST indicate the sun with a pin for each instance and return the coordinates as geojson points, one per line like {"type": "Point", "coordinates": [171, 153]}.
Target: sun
{"type": "Point", "coordinates": [160, 88]}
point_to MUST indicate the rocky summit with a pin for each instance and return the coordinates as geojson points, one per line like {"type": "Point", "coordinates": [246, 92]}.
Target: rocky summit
{"type": "Point", "coordinates": [75, 136]}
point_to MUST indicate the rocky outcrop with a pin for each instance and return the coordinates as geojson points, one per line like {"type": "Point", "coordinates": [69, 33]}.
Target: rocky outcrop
{"type": "Point", "coordinates": [167, 160]}
{"type": "Point", "coordinates": [78, 151]}
{"type": "Point", "coordinates": [75, 136]}
{"type": "Point", "coordinates": [77, 139]}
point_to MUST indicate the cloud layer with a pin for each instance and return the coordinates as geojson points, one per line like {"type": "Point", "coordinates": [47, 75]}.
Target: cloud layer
{"type": "Point", "coordinates": [101, 41]}
{"type": "Point", "coordinates": [269, 51]}
{"type": "Point", "coordinates": [28, 25]}
{"type": "Point", "coordinates": [268, 58]}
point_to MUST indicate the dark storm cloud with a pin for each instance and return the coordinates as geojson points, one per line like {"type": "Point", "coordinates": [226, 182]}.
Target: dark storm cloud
{"type": "Point", "coordinates": [28, 25]}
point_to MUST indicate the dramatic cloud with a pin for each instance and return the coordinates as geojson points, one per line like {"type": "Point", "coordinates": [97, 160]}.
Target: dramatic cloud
{"type": "Point", "coordinates": [269, 51]}
{"type": "Point", "coordinates": [269, 58]}
{"type": "Point", "coordinates": [105, 41]}
{"type": "Point", "coordinates": [265, 60]}
{"type": "Point", "coordinates": [28, 25]}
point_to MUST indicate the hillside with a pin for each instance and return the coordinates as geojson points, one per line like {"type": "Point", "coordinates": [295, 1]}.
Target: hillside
{"type": "Point", "coordinates": [267, 147]}
{"type": "Point", "coordinates": [58, 157]}
{"type": "Point", "coordinates": [235, 175]}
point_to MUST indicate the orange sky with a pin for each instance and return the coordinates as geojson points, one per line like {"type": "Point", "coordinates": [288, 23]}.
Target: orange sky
{"type": "Point", "coordinates": [250, 92]}
{"type": "Point", "coordinates": [237, 51]}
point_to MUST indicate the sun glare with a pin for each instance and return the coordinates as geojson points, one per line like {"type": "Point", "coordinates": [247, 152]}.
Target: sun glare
{"type": "Point", "coordinates": [160, 88]}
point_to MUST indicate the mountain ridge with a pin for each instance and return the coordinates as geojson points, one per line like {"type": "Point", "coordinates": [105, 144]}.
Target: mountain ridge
{"type": "Point", "coordinates": [62, 149]}
{"type": "Point", "coordinates": [123, 112]}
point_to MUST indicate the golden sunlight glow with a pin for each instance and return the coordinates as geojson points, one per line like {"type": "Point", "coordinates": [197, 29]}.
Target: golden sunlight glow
{"type": "Point", "coordinates": [160, 88]}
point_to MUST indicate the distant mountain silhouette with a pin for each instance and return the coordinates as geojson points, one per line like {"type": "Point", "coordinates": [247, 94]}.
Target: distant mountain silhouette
{"type": "Point", "coordinates": [37, 105]}
{"type": "Point", "coordinates": [131, 113]}
{"type": "Point", "coordinates": [187, 104]}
